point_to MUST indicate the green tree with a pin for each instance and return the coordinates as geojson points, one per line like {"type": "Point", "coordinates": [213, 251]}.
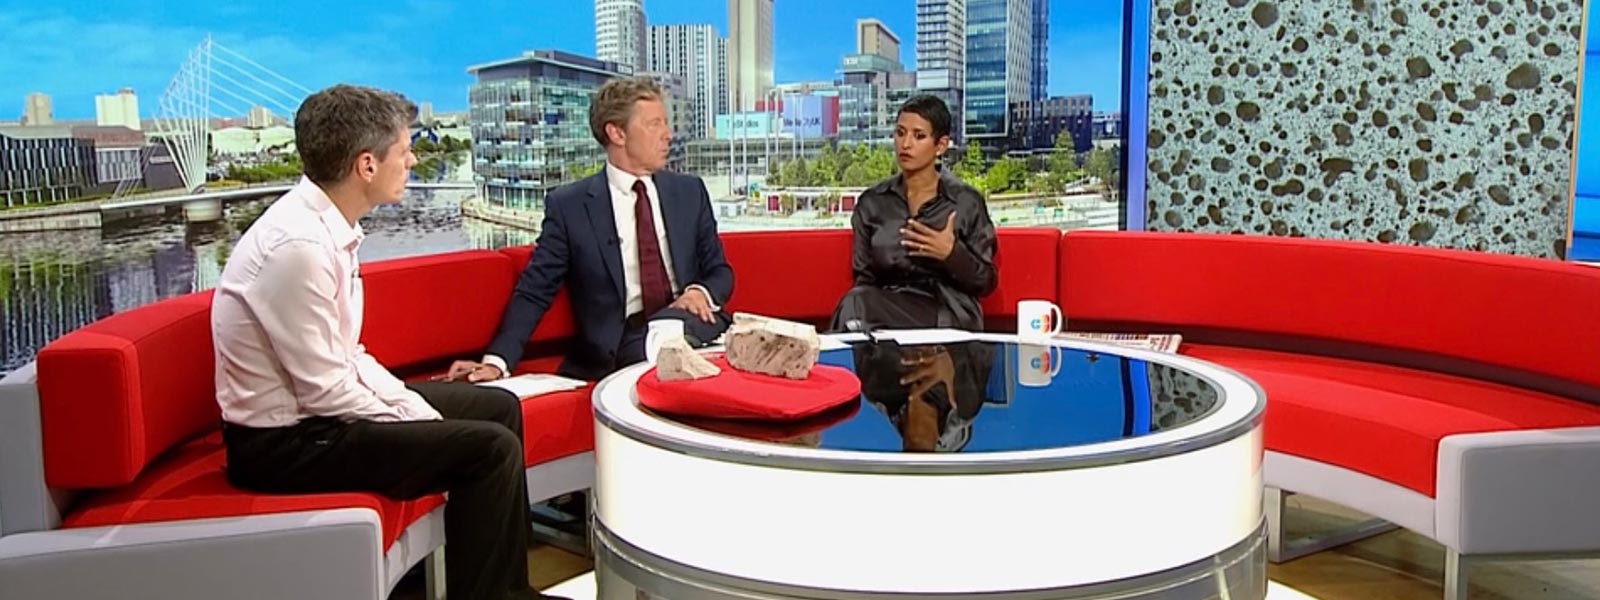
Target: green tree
{"type": "Point", "coordinates": [1042, 183]}
{"type": "Point", "coordinates": [1099, 165]}
{"type": "Point", "coordinates": [1006, 175]}
{"type": "Point", "coordinates": [451, 144]}
{"type": "Point", "coordinates": [824, 204]}
{"type": "Point", "coordinates": [1061, 168]}
{"type": "Point", "coordinates": [827, 168]}
{"type": "Point", "coordinates": [856, 175]}
{"type": "Point", "coordinates": [971, 168]}
{"type": "Point", "coordinates": [580, 171]}
{"type": "Point", "coordinates": [880, 164]}
{"type": "Point", "coordinates": [796, 173]}
{"type": "Point", "coordinates": [282, 168]}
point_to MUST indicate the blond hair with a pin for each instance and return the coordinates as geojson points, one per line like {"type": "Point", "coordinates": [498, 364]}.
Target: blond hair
{"type": "Point", "coordinates": [613, 104]}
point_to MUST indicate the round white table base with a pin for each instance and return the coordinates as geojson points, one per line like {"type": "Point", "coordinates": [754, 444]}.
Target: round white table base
{"type": "Point", "coordinates": [582, 587]}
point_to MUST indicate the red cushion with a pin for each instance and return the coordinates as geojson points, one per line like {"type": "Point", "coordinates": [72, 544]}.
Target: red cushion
{"type": "Point", "coordinates": [795, 431]}
{"type": "Point", "coordinates": [1380, 420]}
{"type": "Point", "coordinates": [796, 274]}
{"type": "Point", "coordinates": [557, 425]}
{"type": "Point", "coordinates": [190, 484]}
{"type": "Point", "coordinates": [734, 394]}
{"type": "Point", "coordinates": [557, 323]}
{"type": "Point", "coordinates": [553, 425]}
{"type": "Point", "coordinates": [1532, 315]}
{"type": "Point", "coordinates": [116, 393]}
{"type": "Point", "coordinates": [423, 309]}
{"type": "Point", "coordinates": [1025, 260]}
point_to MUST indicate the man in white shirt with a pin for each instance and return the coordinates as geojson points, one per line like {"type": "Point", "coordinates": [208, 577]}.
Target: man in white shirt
{"type": "Point", "coordinates": [631, 244]}
{"type": "Point", "coordinates": [307, 410]}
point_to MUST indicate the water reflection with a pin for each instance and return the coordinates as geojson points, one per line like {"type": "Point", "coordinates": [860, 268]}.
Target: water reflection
{"type": "Point", "coordinates": [54, 282]}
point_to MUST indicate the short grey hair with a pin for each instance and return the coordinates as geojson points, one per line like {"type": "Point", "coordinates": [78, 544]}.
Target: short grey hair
{"type": "Point", "coordinates": [334, 126]}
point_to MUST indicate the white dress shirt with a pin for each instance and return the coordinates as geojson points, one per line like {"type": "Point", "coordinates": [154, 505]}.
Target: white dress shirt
{"type": "Point", "coordinates": [286, 322]}
{"type": "Point", "coordinates": [622, 209]}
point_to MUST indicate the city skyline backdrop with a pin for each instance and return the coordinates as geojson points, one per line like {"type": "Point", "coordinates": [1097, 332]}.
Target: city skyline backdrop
{"type": "Point", "coordinates": [422, 47]}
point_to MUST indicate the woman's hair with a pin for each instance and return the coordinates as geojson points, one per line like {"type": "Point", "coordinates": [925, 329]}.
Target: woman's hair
{"type": "Point", "coordinates": [933, 109]}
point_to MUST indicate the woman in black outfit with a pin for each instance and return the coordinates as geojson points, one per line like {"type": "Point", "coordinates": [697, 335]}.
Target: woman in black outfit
{"type": "Point", "coordinates": [924, 245]}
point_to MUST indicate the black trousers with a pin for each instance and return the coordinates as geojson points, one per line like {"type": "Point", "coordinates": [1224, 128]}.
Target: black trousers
{"type": "Point", "coordinates": [888, 309]}
{"type": "Point", "coordinates": [475, 454]}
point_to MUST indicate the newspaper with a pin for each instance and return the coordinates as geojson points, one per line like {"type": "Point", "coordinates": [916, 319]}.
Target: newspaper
{"type": "Point", "coordinates": [1159, 342]}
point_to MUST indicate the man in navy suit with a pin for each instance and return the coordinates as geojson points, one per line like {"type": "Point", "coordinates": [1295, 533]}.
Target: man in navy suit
{"type": "Point", "coordinates": [632, 243]}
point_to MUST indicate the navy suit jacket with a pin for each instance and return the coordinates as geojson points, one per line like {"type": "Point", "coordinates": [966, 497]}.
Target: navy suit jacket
{"type": "Point", "coordinates": [578, 246]}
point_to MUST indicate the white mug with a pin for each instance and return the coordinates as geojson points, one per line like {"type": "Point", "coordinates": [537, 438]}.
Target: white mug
{"type": "Point", "coordinates": [1037, 365]}
{"type": "Point", "coordinates": [661, 331]}
{"type": "Point", "coordinates": [1039, 319]}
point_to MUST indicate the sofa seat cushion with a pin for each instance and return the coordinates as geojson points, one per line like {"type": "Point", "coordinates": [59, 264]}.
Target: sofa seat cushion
{"type": "Point", "coordinates": [1381, 420]}
{"type": "Point", "coordinates": [555, 425]}
{"type": "Point", "coordinates": [190, 483]}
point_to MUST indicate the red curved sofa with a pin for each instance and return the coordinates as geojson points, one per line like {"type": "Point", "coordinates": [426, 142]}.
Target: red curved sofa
{"type": "Point", "coordinates": [1461, 413]}
{"type": "Point", "coordinates": [1456, 394]}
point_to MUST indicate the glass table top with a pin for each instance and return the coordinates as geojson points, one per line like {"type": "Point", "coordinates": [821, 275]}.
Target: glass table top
{"type": "Point", "coordinates": [978, 396]}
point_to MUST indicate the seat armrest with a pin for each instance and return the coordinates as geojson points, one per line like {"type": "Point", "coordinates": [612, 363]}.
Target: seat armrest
{"type": "Point", "coordinates": [1517, 492]}
{"type": "Point", "coordinates": [26, 503]}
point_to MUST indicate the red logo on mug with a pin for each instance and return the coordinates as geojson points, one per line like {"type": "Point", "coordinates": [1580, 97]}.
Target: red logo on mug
{"type": "Point", "coordinates": [1046, 322]}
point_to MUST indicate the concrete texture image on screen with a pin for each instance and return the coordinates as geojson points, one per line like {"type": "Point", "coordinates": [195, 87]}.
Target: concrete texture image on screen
{"type": "Point", "coordinates": [1437, 123]}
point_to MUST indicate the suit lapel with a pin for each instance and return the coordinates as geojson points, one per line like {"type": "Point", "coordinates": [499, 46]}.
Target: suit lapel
{"type": "Point", "coordinates": [680, 233]}
{"type": "Point", "coordinates": [604, 223]}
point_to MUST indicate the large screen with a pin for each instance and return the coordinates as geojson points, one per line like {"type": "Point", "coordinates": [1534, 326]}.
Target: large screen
{"type": "Point", "coordinates": [1585, 238]}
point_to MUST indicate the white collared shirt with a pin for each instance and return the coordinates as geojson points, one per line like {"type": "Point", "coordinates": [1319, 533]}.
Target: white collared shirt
{"type": "Point", "coordinates": [286, 323]}
{"type": "Point", "coordinates": [622, 209]}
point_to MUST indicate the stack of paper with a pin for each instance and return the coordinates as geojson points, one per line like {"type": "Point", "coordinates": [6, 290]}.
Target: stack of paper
{"type": "Point", "coordinates": [1164, 342]}
{"type": "Point", "coordinates": [535, 384]}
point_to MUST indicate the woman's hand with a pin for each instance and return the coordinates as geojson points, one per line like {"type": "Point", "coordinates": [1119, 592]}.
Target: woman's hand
{"type": "Point", "coordinates": [929, 370]}
{"type": "Point", "coordinates": [927, 242]}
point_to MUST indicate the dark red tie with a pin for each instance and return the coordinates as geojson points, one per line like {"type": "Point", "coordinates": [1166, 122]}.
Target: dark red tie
{"type": "Point", "coordinates": [653, 282]}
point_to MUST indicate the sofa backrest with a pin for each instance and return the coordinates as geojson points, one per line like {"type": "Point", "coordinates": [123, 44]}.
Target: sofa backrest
{"type": "Point", "coordinates": [425, 309]}
{"type": "Point", "coordinates": [1026, 259]}
{"type": "Point", "coordinates": [1522, 321]}
{"type": "Point", "coordinates": [558, 323]}
{"type": "Point", "coordinates": [118, 392]}
{"type": "Point", "coordinates": [798, 275]}
{"type": "Point", "coordinates": [801, 275]}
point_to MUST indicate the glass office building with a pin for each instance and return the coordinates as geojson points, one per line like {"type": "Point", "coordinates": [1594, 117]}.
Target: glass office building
{"type": "Point", "coordinates": [999, 69]}
{"type": "Point", "coordinates": [530, 124]}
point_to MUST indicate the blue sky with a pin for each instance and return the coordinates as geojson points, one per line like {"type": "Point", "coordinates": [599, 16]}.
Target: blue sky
{"type": "Point", "coordinates": [74, 50]}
